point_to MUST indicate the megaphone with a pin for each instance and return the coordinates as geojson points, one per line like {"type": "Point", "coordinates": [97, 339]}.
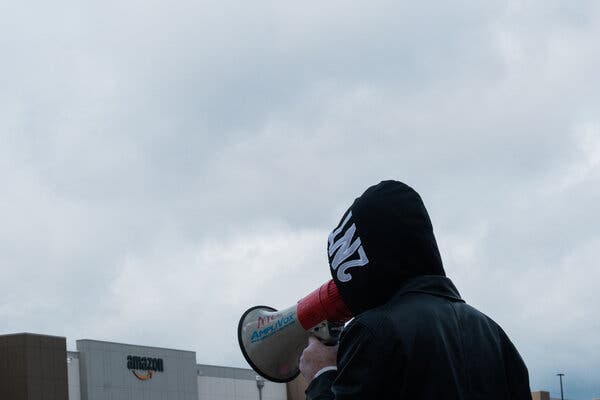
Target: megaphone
{"type": "Point", "coordinates": [272, 341]}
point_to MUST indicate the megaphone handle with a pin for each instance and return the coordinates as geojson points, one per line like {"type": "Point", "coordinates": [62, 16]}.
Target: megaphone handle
{"type": "Point", "coordinates": [327, 332]}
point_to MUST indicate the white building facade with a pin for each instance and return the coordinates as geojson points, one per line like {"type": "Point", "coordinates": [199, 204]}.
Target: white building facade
{"type": "Point", "coordinates": [113, 371]}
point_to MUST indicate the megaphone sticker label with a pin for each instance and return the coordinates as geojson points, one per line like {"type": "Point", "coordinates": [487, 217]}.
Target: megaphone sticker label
{"type": "Point", "coordinates": [278, 325]}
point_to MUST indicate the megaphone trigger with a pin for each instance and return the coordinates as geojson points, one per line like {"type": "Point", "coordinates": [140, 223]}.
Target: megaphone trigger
{"type": "Point", "coordinates": [328, 332]}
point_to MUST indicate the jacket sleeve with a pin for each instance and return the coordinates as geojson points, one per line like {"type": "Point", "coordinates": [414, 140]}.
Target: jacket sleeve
{"type": "Point", "coordinates": [320, 387]}
{"type": "Point", "coordinates": [362, 368]}
{"type": "Point", "coordinates": [517, 376]}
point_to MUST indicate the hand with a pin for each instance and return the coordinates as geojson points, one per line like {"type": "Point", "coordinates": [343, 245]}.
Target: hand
{"type": "Point", "coordinates": [315, 357]}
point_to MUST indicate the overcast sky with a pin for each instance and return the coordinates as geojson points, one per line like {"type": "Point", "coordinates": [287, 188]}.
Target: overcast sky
{"type": "Point", "coordinates": [166, 165]}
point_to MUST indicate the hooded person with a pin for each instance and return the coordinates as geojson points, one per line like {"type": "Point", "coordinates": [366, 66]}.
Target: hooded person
{"type": "Point", "coordinates": [412, 336]}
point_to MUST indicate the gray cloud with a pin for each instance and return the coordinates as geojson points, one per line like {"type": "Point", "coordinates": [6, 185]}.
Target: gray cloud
{"type": "Point", "coordinates": [171, 166]}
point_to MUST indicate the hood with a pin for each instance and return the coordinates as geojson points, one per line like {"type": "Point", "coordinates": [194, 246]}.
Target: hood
{"type": "Point", "coordinates": [384, 239]}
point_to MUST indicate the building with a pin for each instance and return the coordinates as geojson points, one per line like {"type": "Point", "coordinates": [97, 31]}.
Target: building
{"type": "Point", "coordinates": [36, 367]}
{"type": "Point", "coordinates": [540, 395]}
{"type": "Point", "coordinates": [39, 367]}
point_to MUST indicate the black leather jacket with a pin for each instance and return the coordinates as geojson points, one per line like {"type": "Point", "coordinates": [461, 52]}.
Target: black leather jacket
{"type": "Point", "coordinates": [424, 343]}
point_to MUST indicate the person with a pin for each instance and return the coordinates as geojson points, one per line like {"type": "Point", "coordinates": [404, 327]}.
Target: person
{"type": "Point", "coordinates": [412, 335]}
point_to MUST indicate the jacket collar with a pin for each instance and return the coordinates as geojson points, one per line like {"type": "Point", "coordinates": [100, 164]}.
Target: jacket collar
{"type": "Point", "coordinates": [431, 284]}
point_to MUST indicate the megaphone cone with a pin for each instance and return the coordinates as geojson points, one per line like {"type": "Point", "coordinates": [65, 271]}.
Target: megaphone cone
{"type": "Point", "coordinates": [273, 355]}
{"type": "Point", "coordinates": [272, 341]}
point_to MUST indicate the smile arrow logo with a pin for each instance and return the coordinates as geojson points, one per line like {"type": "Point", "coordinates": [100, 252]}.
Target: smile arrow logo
{"type": "Point", "coordinates": [143, 377]}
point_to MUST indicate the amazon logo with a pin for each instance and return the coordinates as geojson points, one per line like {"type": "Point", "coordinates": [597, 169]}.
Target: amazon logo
{"type": "Point", "coordinates": [144, 368]}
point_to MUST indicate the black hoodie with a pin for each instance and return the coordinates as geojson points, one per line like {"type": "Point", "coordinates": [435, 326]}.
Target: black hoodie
{"type": "Point", "coordinates": [382, 240]}
{"type": "Point", "coordinates": [412, 337]}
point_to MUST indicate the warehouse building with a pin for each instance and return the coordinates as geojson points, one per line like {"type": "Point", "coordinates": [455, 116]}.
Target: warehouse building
{"type": "Point", "coordinates": [39, 367]}
{"type": "Point", "coordinates": [36, 367]}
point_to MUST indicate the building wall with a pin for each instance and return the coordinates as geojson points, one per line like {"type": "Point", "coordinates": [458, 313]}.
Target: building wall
{"type": "Point", "coordinates": [33, 367]}
{"type": "Point", "coordinates": [540, 395]}
{"type": "Point", "coordinates": [296, 388]}
{"type": "Point", "coordinates": [104, 373]}
{"type": "Point", "coordinates": [99, 371]}
{"type": "Point", "coordinates": [213, 388]}
{"type": "Point", "coordinates": [73, 375]}
{"type": "Point", "coordinates": [227, 383]}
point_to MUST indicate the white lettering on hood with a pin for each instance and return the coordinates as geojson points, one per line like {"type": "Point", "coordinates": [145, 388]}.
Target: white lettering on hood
{"type": "Point", "coordinates": [343, 249]}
